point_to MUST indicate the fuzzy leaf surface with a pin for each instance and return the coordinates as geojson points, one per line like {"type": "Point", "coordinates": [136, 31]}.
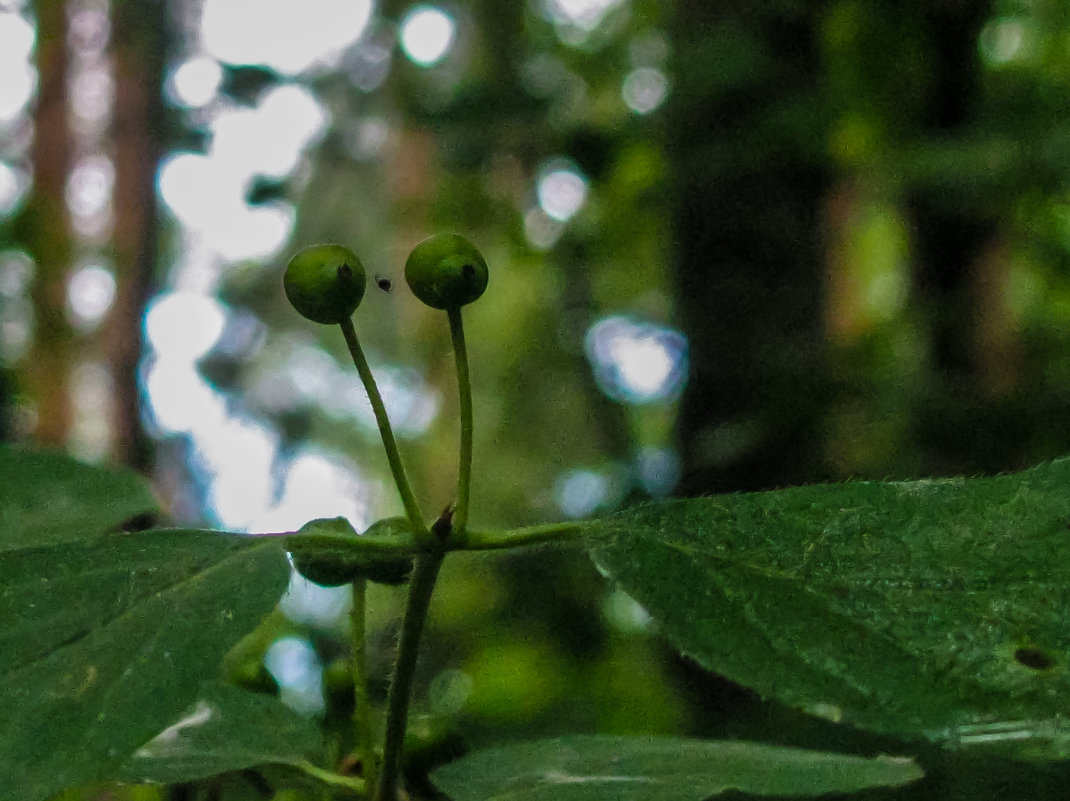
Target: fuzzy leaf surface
{"type": "Point", "coordinates": [226, 729]}
{"type": "Point", "coordinates": [936, 608]}
{"type": "Point", "coordinates": [48, 498]}
{"type": "Point", "coordinates": [106, 642]}
{"type": "Point", "coordinates": [596, 768]}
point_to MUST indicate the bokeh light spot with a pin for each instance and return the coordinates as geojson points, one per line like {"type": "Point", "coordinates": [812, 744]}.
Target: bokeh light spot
{"type": "Point", "coordinates": [89, 187]}
{"type": "Point", "coordinates": [92, 94]}
{"type": "Point", "coordinates": [645, 89]}
{"type": "Point", "coordinates": [208, 196]}
{"type": "Point", "coordinates": [309, 603]}
{"type": "Point", "coordinates": [542, 231]}
{"type": "Point", "coordinates": [659, 470]}
{"type": "Point", "coordinates": [195, 82]}
{"type": "Point", "coordinates": [20, 78]}
{"type": "Point", "coordinates": [295, 665]}
{"type": "Point", "coordinates": [449, 691]}
{"type": "Point", "coordinates": [183, 325]}
{"type": "Point", "coordinates": [207, 192]}
{"type": "Point", "coordinates": [16, 272]}
{"type": "Point", "coordinates": [579, 493]}
{"type": "Point", "coordinates": [562, 191]}
{"type": "Point", "coordinates": [636, 362]}
{"type": "Point", "coordinates": [290, 36]}
{"type": "Point", "coordinates": [14, 183]}
{"type": "Point", "coordinates": [427, 34]}
{"type": "Point", "coordinates": [317, 485]}
{"type": "Point", "coordinates": [270, 138]}
{"type": "Point", "coordinates": [236, 456]}
{"type": "Point", "coordinates": [625, 613]}
{"type": "Point", "coordinates": [583, 14]}
{"type": "Point", "coordinates": [90, 294]}
{"type": "Point", "coordinates": [180, 400]}
{"type": "Point", "coordinates": [1001, 41]}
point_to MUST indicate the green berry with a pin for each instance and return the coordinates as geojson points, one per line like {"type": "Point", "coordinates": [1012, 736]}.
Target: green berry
{"type": "Point", "coordinates": [321, 554]}
{"type": "Point", "coordinates": [446, 271]}
{"type": "Point", "coordinates": [325, 283]}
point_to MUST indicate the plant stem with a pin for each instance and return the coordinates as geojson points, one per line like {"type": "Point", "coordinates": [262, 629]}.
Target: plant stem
{"type": "Point", "coordinates": [363, 725]}
{"type": "Point", "coordinates": [517, 537]}
{"type": "Point", "coordinates": [412, 625]}
{"type": "Point", "coordinates": [408, 499]}
{"type": "Point", "coordinates": [331, 778]}
{"type": "Point", "coordinates": [464, 388]}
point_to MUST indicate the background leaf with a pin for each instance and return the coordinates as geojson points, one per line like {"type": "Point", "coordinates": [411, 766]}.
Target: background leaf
{"type": "Point", "coordinates": [226, 729]}
{"type": "Point", "coordinates": [936, 608]}
{"type": "Point", "coordinates": [50, 498]}
{"type": "Point", "coordinates": [106, 643]}
{"type": "Point", "coordinates": [592, 768]}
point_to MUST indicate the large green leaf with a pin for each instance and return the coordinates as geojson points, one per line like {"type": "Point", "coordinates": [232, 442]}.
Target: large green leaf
{"type": "Point", "coordinates": [226, 729]}
{"type": "Point", "coordinates": [592, 768]}
{"type": "Point", "coordinates": [49, 498]}
{"type": "Point", "coordinates": [106, 642]}
{"type": "Point", "coordinates": [937, 608]}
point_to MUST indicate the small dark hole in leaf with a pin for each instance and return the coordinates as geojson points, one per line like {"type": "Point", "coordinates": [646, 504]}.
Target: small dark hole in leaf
{"type": "Point", "coordinates": [140, 522]}
{"type": "Point", "coordinates": [1034, 658]}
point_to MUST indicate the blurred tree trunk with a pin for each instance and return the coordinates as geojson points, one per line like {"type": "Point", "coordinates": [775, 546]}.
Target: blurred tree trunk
{"type": "Point", "coordinates": [961, 263]}
{"type": "Point", "coordinates": [748, 177]}
{"type": "Point", "coordinates": [950, 233]}
{"type": "Point", "coordinates": [139, 44]}
{"type": "Point", "coordinates": [44, 229]}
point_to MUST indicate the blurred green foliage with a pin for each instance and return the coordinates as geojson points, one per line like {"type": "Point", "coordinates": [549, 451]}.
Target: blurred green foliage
{"type": "Point", "coordinates": [837, 122]}
{"type": "Point", "coordinates": [858, 212]}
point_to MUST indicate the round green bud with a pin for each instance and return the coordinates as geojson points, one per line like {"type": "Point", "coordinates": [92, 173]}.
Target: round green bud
{"type": "Point", "coordinates": [325, 283]}
{"type": "Point", "coordinates": [446, 271]}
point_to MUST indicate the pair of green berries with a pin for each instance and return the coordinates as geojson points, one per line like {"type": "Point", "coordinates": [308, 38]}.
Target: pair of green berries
{"type": "Point", "coordinates": [326, 283]}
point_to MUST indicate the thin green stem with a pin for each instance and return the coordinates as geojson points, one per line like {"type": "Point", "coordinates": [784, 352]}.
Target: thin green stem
{"type": "Point", "coordinates": [412, 626]}
{"type": "Point", "coordinates": [331, 778]}
{"type": "Point", "coordinates": [518, 537]}
{"type": "Point", "coordinates": [408, 499]}
{"type": "Point", "coordinates": [363, 724]}
{"type": "Point", "coordinates": [464, 387]}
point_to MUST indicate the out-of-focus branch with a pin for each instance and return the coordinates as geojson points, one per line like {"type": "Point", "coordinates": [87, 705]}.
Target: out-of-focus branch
{"type": "Point", "coordinates": [139, 44]}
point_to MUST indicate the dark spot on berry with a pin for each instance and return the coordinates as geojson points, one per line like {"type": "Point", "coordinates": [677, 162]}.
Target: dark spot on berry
{"type": "Point", "coordinates": [468, 270]}
{"type": "Point", "coordinates": [1033, 658]}
{"type": "Point", "coordinates": [345, 271]}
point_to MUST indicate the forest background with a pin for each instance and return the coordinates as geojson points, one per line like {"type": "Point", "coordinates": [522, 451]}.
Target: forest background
{"type": "Point", "coordinates": [733, 246]}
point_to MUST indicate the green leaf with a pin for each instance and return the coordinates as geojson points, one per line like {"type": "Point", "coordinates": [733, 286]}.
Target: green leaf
{"type": "Point", "coordinates": [226, 729]}
{"type": "Point", "coordinates": [936, 608]}
{"type": "Point", "coordinates": [329, 552]}
{"type": "Point", "coordinates": [105, 643]}
{"type": "Point", "coordinates": [592, 768]}
{"type": "Point", "coordinates": [49, 498]}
